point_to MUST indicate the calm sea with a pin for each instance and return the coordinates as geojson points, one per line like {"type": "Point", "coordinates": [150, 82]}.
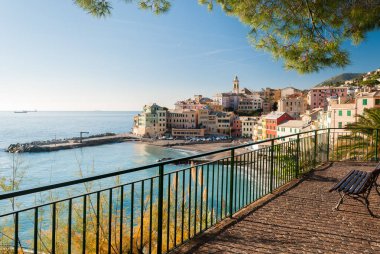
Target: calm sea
{"type": "Point", "coordinates": [51, 167]}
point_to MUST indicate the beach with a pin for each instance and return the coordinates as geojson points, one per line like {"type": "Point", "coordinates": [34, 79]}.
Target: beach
{"type": "Point", "coordinates": [201, 147]}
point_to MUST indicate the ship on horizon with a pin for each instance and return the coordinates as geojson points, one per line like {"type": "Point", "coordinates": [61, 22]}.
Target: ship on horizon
{"type": "Point", "coordinates": [24, 111]}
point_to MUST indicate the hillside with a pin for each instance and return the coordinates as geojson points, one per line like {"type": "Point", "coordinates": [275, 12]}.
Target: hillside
{"type": "Point", "coordinates": [336, 80]}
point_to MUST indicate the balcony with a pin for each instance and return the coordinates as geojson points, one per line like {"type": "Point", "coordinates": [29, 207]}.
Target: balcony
{"type": "Point", "coordinates": [239, 199]}
{"type": "Point", "coordinates": [299, 218]}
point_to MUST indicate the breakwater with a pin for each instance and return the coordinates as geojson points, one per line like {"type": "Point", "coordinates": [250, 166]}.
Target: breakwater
{"type": "Point", "coordinates": [71, 143]}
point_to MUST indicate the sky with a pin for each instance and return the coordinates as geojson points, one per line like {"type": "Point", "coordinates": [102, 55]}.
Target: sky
{"type": "Point", "coordinates": [55, 56]}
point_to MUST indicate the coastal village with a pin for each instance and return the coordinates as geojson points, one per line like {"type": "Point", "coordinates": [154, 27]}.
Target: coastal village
{"type": "Point", "coordinates": [260, 115]}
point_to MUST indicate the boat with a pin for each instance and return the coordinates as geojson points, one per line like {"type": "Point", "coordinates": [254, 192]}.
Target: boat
{"type": "Point", "coordinates": [21, 111]}
{"type": "Point", "coordinates": [164, 159]}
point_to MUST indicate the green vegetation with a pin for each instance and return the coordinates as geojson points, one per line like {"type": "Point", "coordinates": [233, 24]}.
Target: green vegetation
{"type": "Point", "coordinates": [257, 112]}
{"type": "Point", "coordinates": [360, 142]}
{"type": "Point", "coordinates": [339, 79]}
{"type": "Point", "coordinates": [144, 232]}
{"type": "Point", "coordinates": [369, 82]}
{"type": "Point", "coordinates": [307, 35]}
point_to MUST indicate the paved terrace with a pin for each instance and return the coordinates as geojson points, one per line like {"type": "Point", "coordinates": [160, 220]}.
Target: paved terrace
{"type": "Point", "coordinates": [299, 219]}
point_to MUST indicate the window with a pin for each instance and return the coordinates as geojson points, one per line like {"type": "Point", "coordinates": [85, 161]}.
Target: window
{"type": "Point", "coordinates": [364, 102]}
{"type": "Point", "coordinates": [348, 112]}
{"type": "Point", "coordinates": [377, 102]}
{"type": "Point", "coordinates": [340, 113]}
{"type": "Point", "coordinates": [339, 124]}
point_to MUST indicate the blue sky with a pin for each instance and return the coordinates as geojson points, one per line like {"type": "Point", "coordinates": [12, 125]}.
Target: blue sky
{"type": "Point", "coordinates": [54, 56]}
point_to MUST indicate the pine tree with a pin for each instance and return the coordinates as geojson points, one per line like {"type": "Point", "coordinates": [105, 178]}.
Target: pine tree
{"type": "Point", "coordinates": [306, 34]}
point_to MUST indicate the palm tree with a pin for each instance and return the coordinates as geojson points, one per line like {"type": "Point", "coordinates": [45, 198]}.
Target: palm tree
{"type": "Point", "coordinates": [361, 142]}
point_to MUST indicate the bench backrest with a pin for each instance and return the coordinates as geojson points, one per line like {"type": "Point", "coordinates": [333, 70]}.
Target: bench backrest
{"type": "Point", "coordinates": [374, 175]}
{"type": "Point", "coordinates": [376, 171]}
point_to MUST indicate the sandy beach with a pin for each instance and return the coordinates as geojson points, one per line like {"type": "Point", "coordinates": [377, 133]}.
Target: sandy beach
{"type": "Point", "coordinates": [201, 147]}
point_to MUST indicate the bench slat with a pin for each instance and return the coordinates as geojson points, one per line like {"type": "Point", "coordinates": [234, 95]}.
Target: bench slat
{"type": "Point", "coordinates": [362, 186]}
{"type": "Point", "coordinates": [359, 180]}
{"type": "Point", "coordinates": [356, 181]}
{"type": "Point", "coordinates": [336, 186]}
{"type": "Point", "coordinates": [349, 181]}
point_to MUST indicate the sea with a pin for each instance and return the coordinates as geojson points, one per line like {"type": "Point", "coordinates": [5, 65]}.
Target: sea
{"type": "Point", "coordinates": [38, 169]}
{"type": "Point", "coordinates": [31, 170]}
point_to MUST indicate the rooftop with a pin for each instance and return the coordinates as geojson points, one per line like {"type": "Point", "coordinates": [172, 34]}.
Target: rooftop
{"type": "Point", "coordinates": [299, 219]}
{"type": "Point", "coordinates": [328, 87]}
{"type": "Point", "coordinates": [343, 106]}
{"type": "Point", "coordinates": [312, 111]}
{"type": "Point", "coordinates": [294, 124]}
{"type": "Point", "coordinates": [368, 95]}
{"type": "Point", "coordinates": [274, 115]}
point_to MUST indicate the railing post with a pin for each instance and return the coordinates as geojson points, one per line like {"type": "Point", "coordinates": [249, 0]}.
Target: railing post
{"type": "Point", "coordinates": [315, 147]}
{"type": "Point", "coordinates": [376, 144]}
{"type": "Point", "coordinates": [232, 181]}
{"type": "Point", "coordinates": [271, 165]}
{"type": "Point", "coordinates": [328, 144]}
{"type": "Point", "coordinates": [160, 208]}
{"type": "Point", "coordinates": [298, 156]}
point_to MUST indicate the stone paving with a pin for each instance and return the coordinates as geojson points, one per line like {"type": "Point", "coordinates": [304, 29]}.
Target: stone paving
{"type": "Point", "coordinates": [299, 219]}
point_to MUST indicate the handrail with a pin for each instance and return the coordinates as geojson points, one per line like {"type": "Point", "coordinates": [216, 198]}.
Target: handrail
{"type": "Point", "coordinates": [232, 189]}
{"type": "Point", "coordinates": [17, 193]}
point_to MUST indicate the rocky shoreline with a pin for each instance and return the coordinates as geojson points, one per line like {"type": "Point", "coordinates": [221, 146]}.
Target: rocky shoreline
{"type": "Point", "coordinates": [62, 144]}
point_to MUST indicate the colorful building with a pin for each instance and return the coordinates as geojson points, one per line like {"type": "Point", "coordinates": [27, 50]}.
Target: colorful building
{"type": "Point", "coordinates": [295, 105]}
{"type": "Point", "coordinates": [317, 96]}
{"type": "Point", "coordinates": [236, 127]}
{"type": "Point", "coordinates": [247, 126]}
{"type": "Point", "coordinates": [186, 133]}
{"type": "Point", "coordinates": [272, 121]}
{"type": "Point", "coordinates": [182, 119]}
{"type": "Point", "coordinates": [339, 115]}
{"type": "Point", "coordinates": [367, 100]}
{"type": "Point", "coordinates": [292, 127]}
{"type": "Point", "coordinates": [151, 122]}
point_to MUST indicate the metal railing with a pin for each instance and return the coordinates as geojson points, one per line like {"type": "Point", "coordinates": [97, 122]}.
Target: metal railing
{"type": "Point", "coordinates": [158, 213]}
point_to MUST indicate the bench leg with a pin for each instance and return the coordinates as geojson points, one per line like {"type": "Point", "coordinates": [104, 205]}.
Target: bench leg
{"type": "Point", "coordinates": [377, 188]}
{"type": "Point", "coordinates": [340, 201]}
{"type": "Point", "coordinates": [367, 201]}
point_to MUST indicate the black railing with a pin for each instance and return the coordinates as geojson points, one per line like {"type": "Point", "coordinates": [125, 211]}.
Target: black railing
{"type": "Point", "coordinates": [156, 214]}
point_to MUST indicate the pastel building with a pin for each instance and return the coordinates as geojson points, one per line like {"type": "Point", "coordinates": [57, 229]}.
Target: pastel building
{"type": "Point", "coordinates": [199, 102]}
{"type": "Point", "coordinates": [203, 117]}
{"type": "Point", "coordinates": [317, 96]}
{"type": "Point", "coordinates": [236, 127]}
{"type": "Point", "coordinates": [182, 119]}
{"type": "Point", "coordinates": [249, 103]}
{"type": "Point", "coordinates": [294, 104]}
{"type": "Point", "coordinates": [224, 122]}
{"type": "Point", "coordinates": [247, 126]}
{"type": "Point", "coordinates": [263, 128]}
{"type": "Point", "coordinates": [242, 100]}
{"type": "Point", "coordinates": [289, 91]}
{"type": "Point", "coordinates": [151, 122]}
{"type": "Point", "coordinates": [272, 121]}
{"type": "Point", "coordinates": [367, 100]}
{"type": "Point", "coordinates": [229, 100]}
{"type": "Point", "coordinates": [339, 115]}
{"type": "Point", "coordinates": [292, 127]}
{"type": "Point", "coordinates": [267, 107]}
{"type": "Point", "coordinates": [212, 125]}
{"type": "Point", "coordinates": [258, 130]}
{"type": "Point", "coordinates": [183, 133]}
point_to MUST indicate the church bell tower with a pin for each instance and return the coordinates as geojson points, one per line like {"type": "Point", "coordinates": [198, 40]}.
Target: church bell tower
{"type": "Point", "coordinates": [236, 85]}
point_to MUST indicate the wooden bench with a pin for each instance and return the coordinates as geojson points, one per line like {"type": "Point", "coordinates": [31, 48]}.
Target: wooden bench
{"type": "Point", "coordinates": [357, 184]}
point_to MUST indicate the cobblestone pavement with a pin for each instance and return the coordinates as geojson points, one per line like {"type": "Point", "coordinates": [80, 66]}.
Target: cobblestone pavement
{"type": "Point", "coordinates": [300, 220]}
